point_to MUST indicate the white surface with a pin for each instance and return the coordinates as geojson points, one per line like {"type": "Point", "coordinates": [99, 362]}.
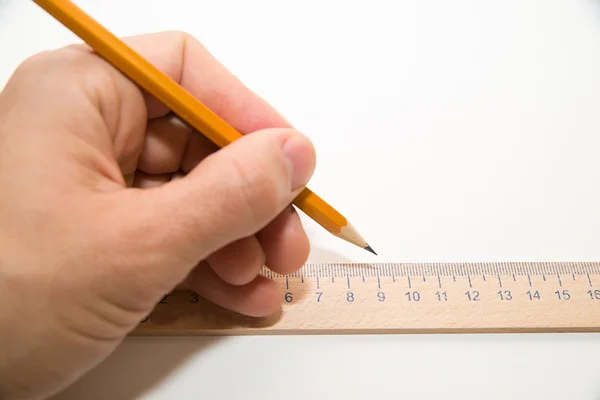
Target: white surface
{"type": "Point", "coordinates": [474, 127]}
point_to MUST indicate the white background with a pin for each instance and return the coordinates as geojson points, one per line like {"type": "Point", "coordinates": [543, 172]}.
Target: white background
{"type": "Point", "coordinates": [462, 130]}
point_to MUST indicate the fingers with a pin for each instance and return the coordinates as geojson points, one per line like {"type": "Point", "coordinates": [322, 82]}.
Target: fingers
{"type": "Point", "coordinates": [164, 145]}
{"type": "Point", "coordinates": [104, 113]}
{"type": "Point", "coordinates": [282, 246]}
{"type": "Point", "coordinates": [144, 181]}
{"type": "Point", "coordinates": [248, 183]}
{"type": "Point", "coordinates": [238, 263]}
{"type": "Point", "coordinates": [198, 148]}
{"type": "Point", "coordinates": [285, 243]}
{"type": "Point", "coordinates": [188, 62]}
{"type": "Point", "coordinates": [232, 194]}
{"type": "Point", "coordinates": [259, 298]}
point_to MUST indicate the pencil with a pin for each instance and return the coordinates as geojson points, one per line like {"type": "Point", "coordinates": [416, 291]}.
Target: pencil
{"type": "Point", "coordinates": [183, 104]}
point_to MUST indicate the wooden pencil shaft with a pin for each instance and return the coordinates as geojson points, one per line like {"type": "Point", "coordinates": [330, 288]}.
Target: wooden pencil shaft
{"type": "Point", "coordinates": [328, 298]}
{"type": "Point", "coordinates": [175, 97]}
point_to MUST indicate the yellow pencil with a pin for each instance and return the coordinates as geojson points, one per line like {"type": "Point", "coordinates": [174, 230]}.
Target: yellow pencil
{"type": "Point", "coordinates": [182, 103]}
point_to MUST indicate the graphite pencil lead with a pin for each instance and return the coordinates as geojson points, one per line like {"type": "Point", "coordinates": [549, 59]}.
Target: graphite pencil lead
{"type": "Point", "coordinates": [369, 248]}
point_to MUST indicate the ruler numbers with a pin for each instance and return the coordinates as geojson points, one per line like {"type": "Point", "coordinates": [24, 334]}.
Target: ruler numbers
{"type": "Point", "coordinates": [406, 297]}
{"type": "Point", "coordinates": [444, 283]}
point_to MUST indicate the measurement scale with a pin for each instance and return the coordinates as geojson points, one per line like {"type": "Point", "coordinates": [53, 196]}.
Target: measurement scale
{"type": "Point", "coordinates": [341, 298]}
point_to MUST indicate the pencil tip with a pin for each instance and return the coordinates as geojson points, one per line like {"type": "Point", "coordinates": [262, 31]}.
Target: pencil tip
{"type": "Point", "coordinates": [369, 248]}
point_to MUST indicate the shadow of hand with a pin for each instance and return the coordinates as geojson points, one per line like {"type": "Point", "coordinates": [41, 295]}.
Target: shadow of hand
{"type": "Point", "coordinates": [138, 365]}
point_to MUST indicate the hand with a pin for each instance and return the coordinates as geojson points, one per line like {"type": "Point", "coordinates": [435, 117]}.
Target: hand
{"type": "Point", "coordinates": [109, 202]}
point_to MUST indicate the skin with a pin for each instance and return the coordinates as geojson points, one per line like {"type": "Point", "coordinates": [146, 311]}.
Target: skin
{"type": "Point", "coordinates": [109, 202]}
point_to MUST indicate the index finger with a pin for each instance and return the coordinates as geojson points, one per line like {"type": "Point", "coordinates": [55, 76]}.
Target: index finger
{"type": "Point", "coordinates": [189, 63]}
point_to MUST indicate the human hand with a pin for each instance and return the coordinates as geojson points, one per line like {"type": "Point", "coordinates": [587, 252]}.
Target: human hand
{"type": "Point", "coordinates": [84, 256]}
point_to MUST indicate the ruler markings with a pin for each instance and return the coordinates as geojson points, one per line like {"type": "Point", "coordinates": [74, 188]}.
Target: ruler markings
{"type": "Point", "coordinates": [575, 307]}
{"type": "Point", "coordinates": [426, 271]}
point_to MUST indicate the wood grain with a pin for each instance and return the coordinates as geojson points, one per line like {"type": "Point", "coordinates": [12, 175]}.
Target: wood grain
{"type": "Point", "coordinates": [404, 298]}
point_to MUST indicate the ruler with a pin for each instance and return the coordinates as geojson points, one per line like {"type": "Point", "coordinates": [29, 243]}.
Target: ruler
{"type": "Point", "coordinates": [371, 298]}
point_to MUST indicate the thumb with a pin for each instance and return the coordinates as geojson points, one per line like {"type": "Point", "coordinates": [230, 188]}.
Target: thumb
{"type": "Point", "coordinates": [231, 194]}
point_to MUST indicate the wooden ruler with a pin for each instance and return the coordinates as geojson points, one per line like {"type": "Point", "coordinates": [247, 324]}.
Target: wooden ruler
{"type": "Point", "coordinates": [332, 298]}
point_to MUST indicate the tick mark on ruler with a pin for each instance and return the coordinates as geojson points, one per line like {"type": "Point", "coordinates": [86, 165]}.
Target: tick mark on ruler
{"type": "Point", "coordinates": [573, 276]}
{"type": "Point", "coordinates": [318, 282]}
{"type": "Point", "coordinates": [439, 282]}
{"type": "Point", "coordinates": [499, 281]}
{"type": "Point", "coordinates": [559, 281]}
{"type": "Point", "coordinates": [484, 278]}
{"type": "Point", "coordinates": [453, 277]}
{"type": "Point", "coordinates": [469, 277]}
{"type": "Point", "coordinates": [348, 282]}
{"type": "Point", "coordinates": [529, 279]}
{"type": "Point", "coordinates": [514, 278]}
{"type": "Point", "coordinates": [589, 279]}
{"type": "Point", "coordinates": [286, 282]}
{"type": "Point", "coordinates": [378, 283]}
{"type": "Point", "coordinates": [409, 285]}
{"type": "Point", "coordinates": [544, 277]}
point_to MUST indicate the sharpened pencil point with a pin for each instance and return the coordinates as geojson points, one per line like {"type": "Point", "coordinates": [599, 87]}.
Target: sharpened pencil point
{"type": "Point", "coordinates": [369, 248]}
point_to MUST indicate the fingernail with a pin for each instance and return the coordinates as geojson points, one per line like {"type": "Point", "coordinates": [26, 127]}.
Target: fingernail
{"type": "Point", "coordinates": [300, 153]}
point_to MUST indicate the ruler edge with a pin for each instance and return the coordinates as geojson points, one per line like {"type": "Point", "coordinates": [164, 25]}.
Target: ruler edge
{"type": "Point", "coordinates": [492, 267]}
{"type": "Point", "coordinates": [358, 332]}
{"type": "Point", "coordinates": [495, 265]}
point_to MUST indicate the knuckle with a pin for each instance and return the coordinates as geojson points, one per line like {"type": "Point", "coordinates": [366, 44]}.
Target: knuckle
{"type": "Point", "coordinates": [176, 35]}
{"type": "Point", "coordinates": [38, 60]}
{"type": "Point", "coordinates": [40, 65]}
